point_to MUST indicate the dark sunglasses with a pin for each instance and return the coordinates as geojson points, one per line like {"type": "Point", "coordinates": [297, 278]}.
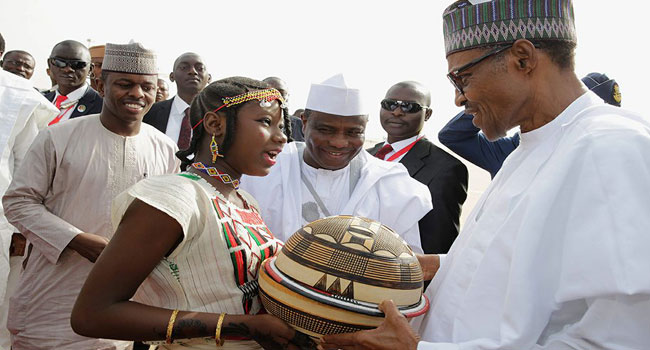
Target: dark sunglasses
{"type": "Point", "coordinates": [457, 81]}
{"type": "Point", "coordinates": [62, 63]}
{"type": "Point", "coordinates": [407, 107]}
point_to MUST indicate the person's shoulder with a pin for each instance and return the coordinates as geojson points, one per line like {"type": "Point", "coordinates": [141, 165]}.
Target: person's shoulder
{"type": "Point", "coordinates": [160, 106]}
{"type": "Point", "coordinates": [604, 122]}
{"type": "Point", "coordinates": [173, 186]}
{"type": "Point", "coordinates": [74, 124]}
{"type": "Point", "coordinates": [442, 157]}
{"type": "Point", "coordinates": [12, 81]}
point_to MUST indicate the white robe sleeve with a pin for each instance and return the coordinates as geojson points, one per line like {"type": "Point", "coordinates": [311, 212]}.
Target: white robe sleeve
{"type": "Point", "coordinates": [615, 323]}
{"type": "Point", "coordinates": [596, 290]}
{"type": "Point", "coordinates": [24, 200]}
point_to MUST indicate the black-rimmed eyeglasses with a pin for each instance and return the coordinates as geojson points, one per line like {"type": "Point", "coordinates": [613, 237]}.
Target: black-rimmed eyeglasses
{"type": "Point", "coordinates": [457, 81]}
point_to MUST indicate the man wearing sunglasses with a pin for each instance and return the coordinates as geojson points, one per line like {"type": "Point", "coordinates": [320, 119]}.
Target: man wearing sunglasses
{"type": "Point", "coordinates": [403, 114]}
{"type": "Point", "coordinates": [70, 65]}
{"type": "Point", "coordinates": [555, 253]}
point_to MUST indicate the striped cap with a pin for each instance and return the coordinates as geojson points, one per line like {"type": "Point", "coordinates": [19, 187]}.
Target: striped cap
{"type": "Point", "coordinates": [468, 24]}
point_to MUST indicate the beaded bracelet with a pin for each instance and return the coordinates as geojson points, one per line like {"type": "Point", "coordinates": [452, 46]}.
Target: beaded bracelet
{"type": "Point", "coordinates": [217, 334]}
{"type": "Point", "coordinates": [170, 326]}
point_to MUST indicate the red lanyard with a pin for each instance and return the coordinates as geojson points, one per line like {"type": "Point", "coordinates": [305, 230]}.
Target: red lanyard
{"type": "Point", "coordinates": [403, 150]}
{"type": "Point", "coordinates": [58, 117]}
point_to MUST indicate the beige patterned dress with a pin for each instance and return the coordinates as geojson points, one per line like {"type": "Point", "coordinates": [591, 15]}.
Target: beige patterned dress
{"type": "Point", "coordinates": [214, 269]}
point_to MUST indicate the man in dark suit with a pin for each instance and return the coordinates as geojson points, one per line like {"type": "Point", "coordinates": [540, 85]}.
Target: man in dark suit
{"type": "Point", "coordinates": [70, 65]}
{"type": "Point", "coordinates": [403, 113]}
{"type": "Point", "coordinates": [171, 116]}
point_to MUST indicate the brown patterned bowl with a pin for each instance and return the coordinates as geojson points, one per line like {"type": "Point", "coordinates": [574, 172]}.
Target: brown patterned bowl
{"type": "Point", "coordinates": [332, 274]}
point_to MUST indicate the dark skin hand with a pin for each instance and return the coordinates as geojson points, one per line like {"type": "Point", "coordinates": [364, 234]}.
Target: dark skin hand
{"type": "Point", "coordinates": [143, 238]}
{"type": "Point", "coordinates": [394, 333]}
{"type": "Point", "coordinates": [88, 245]}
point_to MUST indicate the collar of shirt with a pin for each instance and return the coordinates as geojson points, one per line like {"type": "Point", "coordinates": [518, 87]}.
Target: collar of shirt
{"type": "Point", "coordinates": [179, 106]}
{"type": "Point", "coordinates": [397, 146]}
{"type": "Point", "coordinates": [74, 96]}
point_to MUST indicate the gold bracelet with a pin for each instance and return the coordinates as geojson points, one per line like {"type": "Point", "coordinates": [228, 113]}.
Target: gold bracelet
{"type": "Point", "coordinates": [217, 334]}
{"type": "Point", "coordinates": [170, 326]}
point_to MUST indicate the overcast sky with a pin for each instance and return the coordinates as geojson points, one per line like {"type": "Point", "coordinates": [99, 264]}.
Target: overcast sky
{"type": "Point", "coordinates": [375, 44]}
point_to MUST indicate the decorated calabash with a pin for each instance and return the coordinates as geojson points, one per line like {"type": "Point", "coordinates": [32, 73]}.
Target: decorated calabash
{"type": "Point", "coordinates": [332, 274]}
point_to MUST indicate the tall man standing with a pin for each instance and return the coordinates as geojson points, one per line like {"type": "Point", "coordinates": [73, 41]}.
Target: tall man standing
{"type": "Point", "coordinates": [403, 113]}
{"type": "Point", "coordinates": [60, 198]}
{"type": "Point", "coordinates": [172, 116]}
{"type": "Point", "coordinates": [70, 65]}
{"type": "Point", "coordinates": [331, 174]}
{"type": "Point", "coordinates": [555, 254]}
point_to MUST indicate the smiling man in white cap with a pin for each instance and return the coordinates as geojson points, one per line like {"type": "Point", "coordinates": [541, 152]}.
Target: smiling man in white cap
{"type": "Point", "coordinates": [331, 174]}
{"type": "Point", "coordinates": [60, 198]}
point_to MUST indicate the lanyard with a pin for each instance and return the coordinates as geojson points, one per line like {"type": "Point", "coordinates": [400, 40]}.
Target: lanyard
{"type": "Point", "coordinates": [403, 150]}
{"type": "Point", "coordinates": [61, 114]}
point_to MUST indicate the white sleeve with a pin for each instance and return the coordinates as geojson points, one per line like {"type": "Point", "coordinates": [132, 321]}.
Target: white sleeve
{"type": "Point", "coordinates": [24, 201]}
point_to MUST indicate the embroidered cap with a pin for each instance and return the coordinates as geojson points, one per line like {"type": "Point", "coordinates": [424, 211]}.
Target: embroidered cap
{"type": "Point", "coordinates": [129, 58]}
{"type": "Point", "coordinates": [468, 24]}
{"type": "Point", "coordinates": [334, 97]}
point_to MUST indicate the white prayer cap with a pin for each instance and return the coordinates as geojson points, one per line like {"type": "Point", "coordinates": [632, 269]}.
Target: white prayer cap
{"type": "Point", "coordinates": [333, 97]}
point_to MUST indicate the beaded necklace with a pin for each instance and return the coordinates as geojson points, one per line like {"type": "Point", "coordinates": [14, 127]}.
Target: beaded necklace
{"type": "Point", "coordinates": [213, 172]}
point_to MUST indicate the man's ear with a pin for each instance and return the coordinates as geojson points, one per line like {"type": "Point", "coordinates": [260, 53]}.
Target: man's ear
{"type": "Point", "coordinates": [428, 114]}
{"type": "Point", "coordinates": [209, 78]}
{"type": "Point", "coordinates": [171, 77]}
{"type": "Point", "coordinates": [525, 55]}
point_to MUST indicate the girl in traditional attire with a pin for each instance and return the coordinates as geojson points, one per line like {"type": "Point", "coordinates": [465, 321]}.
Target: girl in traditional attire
{"type": "Point", "coordinates": [193, 241]}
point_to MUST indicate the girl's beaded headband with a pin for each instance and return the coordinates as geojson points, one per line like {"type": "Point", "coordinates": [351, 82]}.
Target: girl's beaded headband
{"type": "Point", "coordinates": [264, 96]}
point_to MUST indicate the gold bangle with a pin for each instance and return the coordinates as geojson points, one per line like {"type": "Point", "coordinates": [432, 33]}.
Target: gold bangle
{"type": "Point", "coordinates": [217, 334]}
{"type": "Point", "coordinates": [170, 326]}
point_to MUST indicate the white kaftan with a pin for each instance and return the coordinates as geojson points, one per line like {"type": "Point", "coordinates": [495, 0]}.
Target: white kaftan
{"type": "Point", "coordinates": [23, 112]}
{"type": "Point", "coordinates": [555, 254]}
{"type": "Point", "coordinates": [384, 192]}
{"type": "Point", "coordinates": [65, 186]}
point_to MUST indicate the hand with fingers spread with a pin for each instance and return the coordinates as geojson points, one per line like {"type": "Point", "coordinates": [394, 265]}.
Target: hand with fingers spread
{"type": "Point", "coordinates": [394, 333]}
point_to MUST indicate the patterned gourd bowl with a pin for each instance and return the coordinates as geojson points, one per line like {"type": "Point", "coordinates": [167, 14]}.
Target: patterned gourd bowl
{"type": "Point", "coordinates": [332, 274]}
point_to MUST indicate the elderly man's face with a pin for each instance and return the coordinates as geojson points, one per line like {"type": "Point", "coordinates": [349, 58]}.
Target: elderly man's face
{"type": "Point", "coordinates": [19, 63]}
{"type": "Point", "coordinates": [332, 140]}
{"type": "Point", "coordinates": [492, 94]}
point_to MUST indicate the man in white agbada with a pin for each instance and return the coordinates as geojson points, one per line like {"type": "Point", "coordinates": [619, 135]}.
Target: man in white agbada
{"type": "Point", "coordinates": [331, 174]}
{"type": "Point", "coordinates": [555, 253]}
{"type": "Point", "coordinates": [23, 112]}
{"type": "Point", "coordinates": [60, 198]}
